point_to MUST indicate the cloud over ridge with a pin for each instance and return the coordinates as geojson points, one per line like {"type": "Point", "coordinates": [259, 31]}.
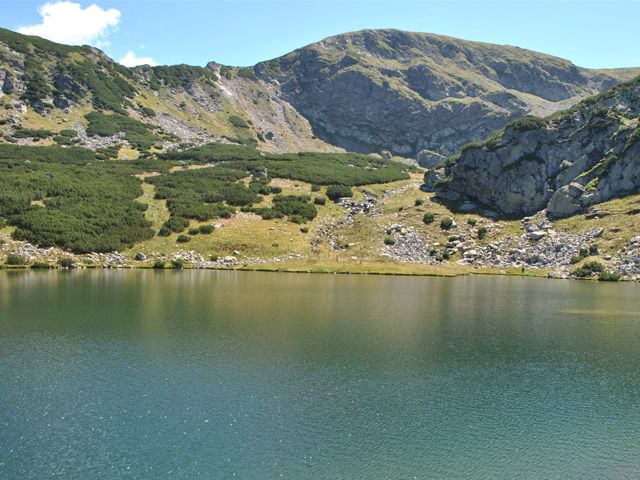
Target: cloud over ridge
{"type": "Point", "coordinates": [67, 22]}
{"type": "Point", "coordinates": [131, 60]}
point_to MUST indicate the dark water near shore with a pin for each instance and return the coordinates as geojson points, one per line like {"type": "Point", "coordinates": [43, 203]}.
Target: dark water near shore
{"type": "Point", "coordinates": [179, 374]}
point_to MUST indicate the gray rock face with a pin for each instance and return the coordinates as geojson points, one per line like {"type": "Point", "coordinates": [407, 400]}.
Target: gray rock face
{"type": "Point", "coordinates": [563, 164]}
{"type": "Point", "coordinates": [429, 159]}
{"type": "Point", "coordinates": [409, 92]}
{"type": "Point", "coordinates": [69, 90]}
{"type": "Point", "coordinates": [6, 82]}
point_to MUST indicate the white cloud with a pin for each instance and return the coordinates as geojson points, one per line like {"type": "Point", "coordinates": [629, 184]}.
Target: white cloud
{"type": "Point", "coordinates": [67, 22]}
{"type": "Point", "coordinates": [130, 60]}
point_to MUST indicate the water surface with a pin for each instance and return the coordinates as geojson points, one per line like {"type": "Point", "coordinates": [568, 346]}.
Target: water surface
{"type": "Point", "coordinates": [178, 374]}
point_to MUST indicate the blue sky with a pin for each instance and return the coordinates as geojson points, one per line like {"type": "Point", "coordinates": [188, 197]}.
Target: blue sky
{"type": "Point", "coordinates": [590, 33]}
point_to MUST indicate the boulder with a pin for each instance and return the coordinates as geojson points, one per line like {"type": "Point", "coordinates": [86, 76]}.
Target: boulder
{"type": "Point", "coordinates": [386, 154]}
{"type": "Point", "coordinates": [566, 201]}
{"type": "Point", "coordinates": [467, 207]}
{"type": "Point", "coordinates": [429, 159]}
{"type": "Point", "coordinates": [537, 235]}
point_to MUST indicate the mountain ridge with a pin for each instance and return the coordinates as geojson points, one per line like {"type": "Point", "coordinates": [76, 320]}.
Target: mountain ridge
{"type": "Point", "coordinates": [439, 99]}
{"type": "Point", "coordinates": [411, 94]}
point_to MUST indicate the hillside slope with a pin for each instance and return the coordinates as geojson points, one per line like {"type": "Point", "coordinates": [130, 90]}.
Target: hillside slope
{"type": "Point", "coordinates": [416, 95]}
{"type": "Point", "coordinates": [563, 163]}
{"type": "Point", "coordinates": [415, 92]}
{"type": "Point", "coordinates": [48, 87]}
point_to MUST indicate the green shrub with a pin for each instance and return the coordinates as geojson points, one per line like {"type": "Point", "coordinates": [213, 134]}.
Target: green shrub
{"type": "Point", "coordinates": [319, 201]}
{"type": "Point", "coordinates": [593, 249]}
{"type": "Point", "coordinates": [609, 277]}
{"type": "Point", "coordinates": [582, 272]}
{"type": "Point", "coordinates": [433, 251]}
{"type": "Point", "coordinates": [296, 207]}
{"type": "Point", "coordinates": [213, 258]}
{"type": "Point", "coordinates": [472, 222]}
{"type": "Point", "coordinates": [225, 72]}
{"type": "Point", "coordinates": [445, 255]}
{"type": "Point", "coordinates": [68, 133]}
{"type": "Point", "coordinates": [239, 122]}
{"type": "Point", "coordinates": [247, 73]}
{"type": "Point", "coordinates": [582, 254]}
{"type": "Point", "coordinates": [60, 140]}
{"type": "Point", "coordinates": [65, 262]}
{"type": "Point", "coordinates": [14, 259]}
{"type": "Point", "coordinates": [594, 266]}
{"type": "Point", "coordinates": [482, 232]}
{"type": "Point", "coordinates": [389, 241]}
{"type": "Point", "coordinates": [177, 264]}
{"type": "Point", "coordinates": [336, 192]}
{"type": "Point", "coordinates": [446, 223]}
{"type": "Point", "coordinates": [315, 188]}
{"type": "Point", "coordinates": [453, 238]}
{"type": "Point", "coordinates": [206, 229]}
{"type": "Point", "coordinates": [29, 133]}
{"type": "Point", "coordinates": [588, 269]}
{"type": "Point", "coordinates": [164, 232]}
{"type": "Point", "coordinates": [40, 265]}
{"type": "Point", "coordinates": [428, 218]}
{"type": "Point", "coordinates": [193, 231]}
{"type": "Point", "coordinates": [524, 124]}
{"type": "Point", "coordinates": [183, 239]}
{"type": "Point", "coordinates": [176, 224]}
{"type": "Point", "coordinates": [304, 230]}
{"type": "Point", "coordinates": [159, 264]}
{"type": "Point", "coordinates": [419, 202]}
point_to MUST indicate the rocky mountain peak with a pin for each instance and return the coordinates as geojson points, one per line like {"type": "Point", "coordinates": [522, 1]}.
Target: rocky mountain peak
{"type": "Point", "coordinates": [416, 92]}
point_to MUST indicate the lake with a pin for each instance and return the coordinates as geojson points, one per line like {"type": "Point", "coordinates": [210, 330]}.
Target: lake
{"type": "Point", "coordinates": [223, 374]}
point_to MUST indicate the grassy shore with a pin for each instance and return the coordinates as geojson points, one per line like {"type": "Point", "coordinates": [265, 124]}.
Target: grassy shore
{"type": "Point", "coordinates": [337, 242]}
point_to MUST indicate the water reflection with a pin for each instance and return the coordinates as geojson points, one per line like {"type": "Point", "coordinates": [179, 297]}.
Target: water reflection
{"type": "Point", "coordinates": [177, 373]}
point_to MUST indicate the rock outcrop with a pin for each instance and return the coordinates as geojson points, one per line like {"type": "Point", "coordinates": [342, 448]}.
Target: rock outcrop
{"type": "Point", "coordinates": [563, 163]}
{"type": "Point", "coordinates": [411, 92]}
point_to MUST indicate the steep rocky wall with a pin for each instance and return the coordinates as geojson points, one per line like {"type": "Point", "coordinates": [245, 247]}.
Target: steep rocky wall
{"type": "Point", "coordinates": [566, 163]}
{"type": "Point", "coordinates": [409, 92]}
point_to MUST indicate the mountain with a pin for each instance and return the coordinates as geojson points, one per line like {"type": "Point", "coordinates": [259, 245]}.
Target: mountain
{"type": "Point", "coordinates": [563, 163]}
{"type": "Point", "coordinates": [415, 95]}
{"type": "Point", "coordinates": [48, 87]}
{"type": "Point", "coordinates": [415, 92]}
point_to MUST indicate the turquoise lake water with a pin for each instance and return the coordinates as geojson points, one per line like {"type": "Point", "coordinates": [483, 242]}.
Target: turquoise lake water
{"type": "Point", "coordinates": [217, 374]}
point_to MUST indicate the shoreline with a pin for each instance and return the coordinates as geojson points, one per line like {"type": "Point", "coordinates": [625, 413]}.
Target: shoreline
{"type": "Point", "coordinates": [528, 273]}
{"type": "Point", "coordinates": [383, 235]}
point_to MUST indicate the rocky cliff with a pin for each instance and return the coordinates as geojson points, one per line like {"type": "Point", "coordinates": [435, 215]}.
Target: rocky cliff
{"type": "Point", "coordinates": [563, 163]}
{"type": "Point", "coordinates": [421, 95]}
